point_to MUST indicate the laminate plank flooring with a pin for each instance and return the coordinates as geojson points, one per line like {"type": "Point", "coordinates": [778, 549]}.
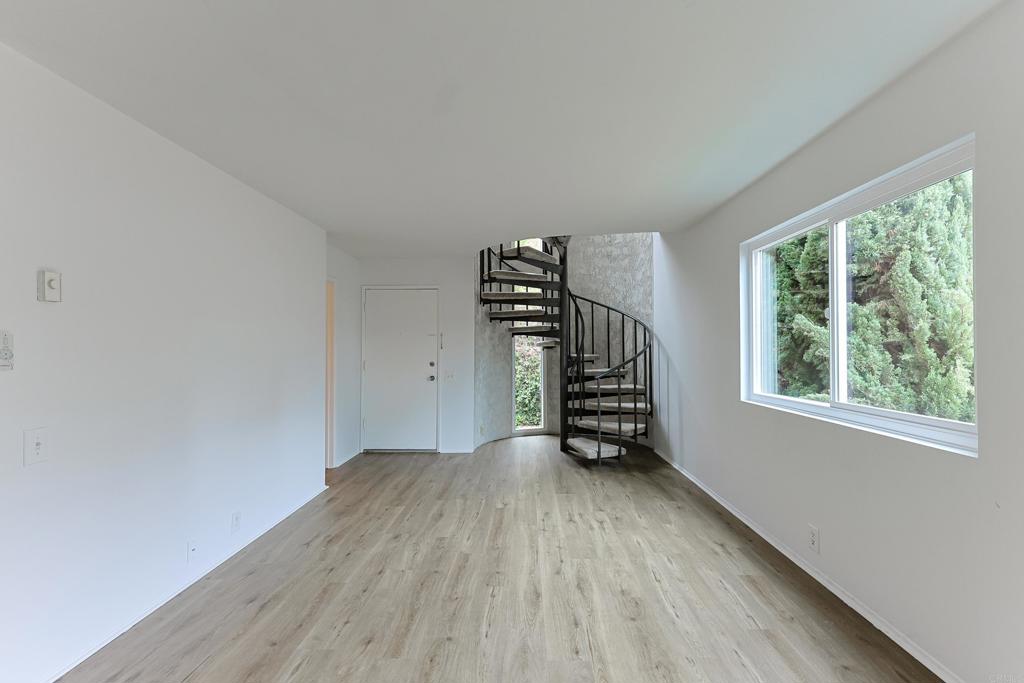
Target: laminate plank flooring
{"type": "Point", "coordinates": [514, 564]}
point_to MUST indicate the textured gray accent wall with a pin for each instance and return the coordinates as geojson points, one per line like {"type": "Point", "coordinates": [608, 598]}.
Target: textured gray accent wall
{"type": "Point", "coordinates": [616, 270]}
{"type": "Point", "coordinates": [492, 378]}
{"type": "Point", "coordinates": [552, 385]}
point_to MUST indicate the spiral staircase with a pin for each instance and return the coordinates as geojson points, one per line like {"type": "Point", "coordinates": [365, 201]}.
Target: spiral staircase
{"type": "Point", "coordinates": [604, 353]}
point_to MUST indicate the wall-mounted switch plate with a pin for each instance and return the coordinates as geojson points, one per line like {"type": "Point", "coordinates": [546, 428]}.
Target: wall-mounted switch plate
{"type": "Point", "coordinates": [6, 350]}
{"type": "Point", "coordinates": [48, 286]}
{"type": "Point", "coordinates": [35, 448]}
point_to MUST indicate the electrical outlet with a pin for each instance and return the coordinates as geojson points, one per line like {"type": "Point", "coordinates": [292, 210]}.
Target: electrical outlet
{"type": "Point", "coordinates": [191, 551]}
{"type": "Point", "coordinates": [236, 522]}
{"type": "Point", "coordinates": [35, 449]}
{"type": "Point", "coordinates": [814, 538]}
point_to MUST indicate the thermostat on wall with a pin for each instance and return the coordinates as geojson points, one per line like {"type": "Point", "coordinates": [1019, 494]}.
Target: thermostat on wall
{"type": "Point", "coordinates": [48, 286]}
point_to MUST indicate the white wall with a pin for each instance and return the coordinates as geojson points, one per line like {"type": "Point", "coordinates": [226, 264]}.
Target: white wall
{"type": "Point", "coordinates": [348, 321]}
{"type": "Point", "coordinates": [928, 542]}
{"type": "Point", "coordinates": [457, 281]}
{"type": "Point", "coordinates": [181, 379]}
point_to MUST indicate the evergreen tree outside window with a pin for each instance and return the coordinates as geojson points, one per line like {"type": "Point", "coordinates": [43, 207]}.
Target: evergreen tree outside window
{"type": "Point", "coordinates": [861, 311]}
{"type": "Point", "coordinates": [910, 302]}
{"type": "Point", "coordinates": [796, 302]}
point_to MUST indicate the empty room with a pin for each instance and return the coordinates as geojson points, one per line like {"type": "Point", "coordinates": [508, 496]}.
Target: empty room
{"type": "Point", "coordinates": [478, 342]}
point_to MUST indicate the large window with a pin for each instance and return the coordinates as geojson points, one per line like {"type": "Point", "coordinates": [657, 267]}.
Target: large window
{"type": "Point", "coordinates": [862, 311]}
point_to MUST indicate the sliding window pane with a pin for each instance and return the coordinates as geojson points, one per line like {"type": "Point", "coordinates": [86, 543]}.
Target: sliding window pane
{"type": "Point", "coordinates": [910, 313]}
{"type": "Point", "coordinates": [795, 345]}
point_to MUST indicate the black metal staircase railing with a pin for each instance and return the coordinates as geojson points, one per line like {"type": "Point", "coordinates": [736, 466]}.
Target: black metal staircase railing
{"type": "Point", "coordinates": [491, 260]}
{"type": "Point", "coordinates": [595, 428]}
{"type": "Point", "coordinates": [628, 338]}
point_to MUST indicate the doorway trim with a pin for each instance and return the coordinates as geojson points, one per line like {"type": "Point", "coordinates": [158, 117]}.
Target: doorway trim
{"type": "Point", "coordinates": [330, 393]}
{"type": "Point", "coordinates": [438, 340]}
{"type": "Point", "coordinates": [530, 431]}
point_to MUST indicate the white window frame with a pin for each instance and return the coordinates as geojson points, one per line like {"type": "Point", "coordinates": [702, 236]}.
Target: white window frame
{"type": "Point", "coordinates": [949, 435]}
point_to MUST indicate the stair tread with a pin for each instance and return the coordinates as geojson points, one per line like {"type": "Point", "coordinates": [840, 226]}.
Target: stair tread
{"type": "Point", "coordinates": [533, 329]}
{"type": "Point", "coordinates": [587, 448]}
{"type": "Point", "coordinates": [531, 253]}
{"type": "Point", "coordinates": [591, 372]}
{"type": "Point", "coordinates": [549, 303]}
{"type": "Point", "coordinates": [629, 426]}
{"type": "Point", "coordinates": [516, 275]}
{"type": "Point", "coordinates": [519, 313]}
{"type": "Point", "coordinates": [631, 420]}
{"type": "Point", "coordinates": [612, 405]}
{"type": "Point", "coordinates": [504, 296]}
{"type": "Point", "coordinates": [609, 387]}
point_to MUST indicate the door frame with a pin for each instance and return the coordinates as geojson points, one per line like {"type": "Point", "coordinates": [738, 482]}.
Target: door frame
{"type": "Point", "coordinates": [530, 431]}
{"type": "Point", "coordinates": [438, 340]}
{"type": "Point", "coordinates": [331, 373]}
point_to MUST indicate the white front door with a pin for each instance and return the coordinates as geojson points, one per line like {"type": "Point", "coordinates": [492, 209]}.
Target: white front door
{"type": "Point", "coordinates": [400, 369]}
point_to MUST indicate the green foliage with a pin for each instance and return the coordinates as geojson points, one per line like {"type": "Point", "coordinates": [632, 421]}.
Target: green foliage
{"type": "Point", "coordinates": [802, 342]}
{"type": "Point", "coordinates": [911, 308]}
{"type": "Point", "coordinates": [912, 311]}
{"type": "Point", "coordinates": [528, 376]}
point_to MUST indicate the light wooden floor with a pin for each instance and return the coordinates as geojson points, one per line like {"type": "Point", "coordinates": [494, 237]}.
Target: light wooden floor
{"type": "Point", "coordinates": [512, 564]}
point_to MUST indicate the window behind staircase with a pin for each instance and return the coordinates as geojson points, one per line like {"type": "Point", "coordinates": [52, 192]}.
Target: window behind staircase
{"type": "Point", "coordinates": [528, 383]}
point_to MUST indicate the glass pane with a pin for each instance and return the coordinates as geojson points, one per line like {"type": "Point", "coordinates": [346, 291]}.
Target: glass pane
{"type": "Point", "coordinates": [528, 385]}
{"type": "Point", "coordinates": [794, 310]}
{"type": "Point", "coordinates": [911, 303]}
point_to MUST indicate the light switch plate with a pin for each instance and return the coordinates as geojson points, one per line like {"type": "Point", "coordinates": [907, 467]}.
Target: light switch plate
{"type": "Point", "coordinates": [48, 286]}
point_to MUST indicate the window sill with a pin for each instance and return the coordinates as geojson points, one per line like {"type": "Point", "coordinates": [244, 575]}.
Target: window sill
{"type": "Point", "coordinates": [946, 435]}
{"type": "Point", "coordinates": [528, 431]}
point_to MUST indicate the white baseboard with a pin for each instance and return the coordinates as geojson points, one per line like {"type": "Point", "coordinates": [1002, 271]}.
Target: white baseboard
{"type": "Point", "coordinates": [897, 636]}
{"type": "Point", "coordinates": [103, 642]}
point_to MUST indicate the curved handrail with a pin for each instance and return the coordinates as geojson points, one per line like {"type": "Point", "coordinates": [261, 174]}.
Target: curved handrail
{"type": "Point", "coordinates": [614, 370]}
{"type": "Point", "coordinates": [639, 361]}
{"type": "Point", "coordinates": [581, 337]}
{"type": "Point", "coordinates": [578, 363]}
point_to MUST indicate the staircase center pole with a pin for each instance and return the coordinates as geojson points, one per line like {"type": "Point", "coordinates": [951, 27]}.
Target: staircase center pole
{"type": "Point", "coordinates": [565, 316]}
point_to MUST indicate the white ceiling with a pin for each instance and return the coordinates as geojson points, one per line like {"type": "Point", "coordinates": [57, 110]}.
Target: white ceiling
{"type": "Point", "coordinates": [405, 126]}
